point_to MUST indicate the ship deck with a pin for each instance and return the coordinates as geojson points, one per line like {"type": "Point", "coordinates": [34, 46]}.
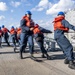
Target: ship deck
{"type": "Point", "coordinates": [11, 64]}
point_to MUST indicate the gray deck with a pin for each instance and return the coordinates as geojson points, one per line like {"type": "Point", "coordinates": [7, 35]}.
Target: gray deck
{"type": "Point", "coordinates": [11, 64]}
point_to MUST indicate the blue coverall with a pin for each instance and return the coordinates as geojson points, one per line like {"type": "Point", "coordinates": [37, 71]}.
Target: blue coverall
{"type": "Point", "coordinates": [26, 35]}
{"type": "Point", "coordinates": [63, 42]}
{"type": "Point", "coordinates": [0, 37]}
{"type": "Point", "coordinates": [6, 37]}
{"type": "Point", "coordinates": [14, 39]}
{"type": "Point", "coordinates": [41, 41]}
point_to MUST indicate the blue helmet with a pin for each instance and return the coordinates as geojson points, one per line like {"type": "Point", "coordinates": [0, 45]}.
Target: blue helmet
{"type": "Point", "coordinates": [61, 13]}
{"type": "Point", "coordinates": [12, 27]}
{"type": "Point", "coordinates": [28, 12]}
{"type": "Point", "coordinates": [2, 26]}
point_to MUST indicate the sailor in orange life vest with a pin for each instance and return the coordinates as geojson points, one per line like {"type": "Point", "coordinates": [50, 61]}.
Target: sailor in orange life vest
{"type": "Point", "coordinates": [27, 25]}
{"type": "Point", "coordinates": [18, 34]}
{"type": "Point", "coordinates": [13, 34]}
{"type": "Point", "coordinates": [5, 34]}
{"type": "Point", "coordinates": [39, 37]}
{"type": "Point", "coordinates": [60, 27]}
{"type": "Point", "coordinates": [1, 34]}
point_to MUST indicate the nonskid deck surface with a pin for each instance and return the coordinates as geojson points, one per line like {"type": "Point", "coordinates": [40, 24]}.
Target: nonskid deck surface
{"type": "Point", "coordinates": [11, 64]}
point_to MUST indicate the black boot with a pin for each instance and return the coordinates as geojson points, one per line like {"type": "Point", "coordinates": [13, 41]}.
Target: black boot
{"type": "Point", "coordinates": [21, 56]}
{"type": "Point", "coordinates": [0, 46]}
{"type": "Point", "coordinates": [66, 61]}
{"type": "Point", "coordinates": [8, 44]}
{"type": "Point", "coordinates": [24, 51]}
{"type": "Point", "coordinates": [71, 65]}
{"type": "Point", "coordinates": [43, 56]}
{"type": "Point", "coordinates": [14, 49]}
{"type": "Point", "coordinates": [48, 57]}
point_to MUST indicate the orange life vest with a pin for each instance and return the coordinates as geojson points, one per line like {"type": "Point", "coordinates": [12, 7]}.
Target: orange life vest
{"type": "Point", "coordinates": [36, 30]}
{"type": "Point", "coordinates": [29, 22]}
{"type": "Point", "coordinates": [58, 24]}
{"type": "Point", "coordinates": [4, 30]}
{"type": "Point", "coordinates": [12, 31]}
{"type": "Point", "coordinates": [18, 30]}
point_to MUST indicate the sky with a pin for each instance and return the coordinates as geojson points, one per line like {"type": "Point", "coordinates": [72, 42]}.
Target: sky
{"type": "Point", "coordinates": [43, 11]}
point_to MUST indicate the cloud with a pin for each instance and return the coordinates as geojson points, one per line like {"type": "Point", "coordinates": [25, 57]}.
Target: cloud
{"type": "Point", "coordinates": [15, 4]}
{"type": "Point", "coordinates": [2, 17]}
{"type": "Point", "coordinates": [52, 8]}
{"type": "Point", "coordinates": [12, 11]}
{"type": "Point", "coordinates": [3, 6]}
{"type": "Point", "coordinates": [47, 24]}
{"type": "Point", "coordinates": [62, 5]}
{"type": "Point", "coordinates": [43, 4]}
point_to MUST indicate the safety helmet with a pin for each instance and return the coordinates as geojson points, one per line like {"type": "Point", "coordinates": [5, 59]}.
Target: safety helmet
{"type": "Point", "coordinates": [61, 13]}
{"type": "Point", "coordinates": [28, 12]}
{"type": "Point", "coordinates": [12, 27]}
{"type": "Point", "coordinates": [2, 26]}
{"type": "Point", "coordinates": [36, 25]}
